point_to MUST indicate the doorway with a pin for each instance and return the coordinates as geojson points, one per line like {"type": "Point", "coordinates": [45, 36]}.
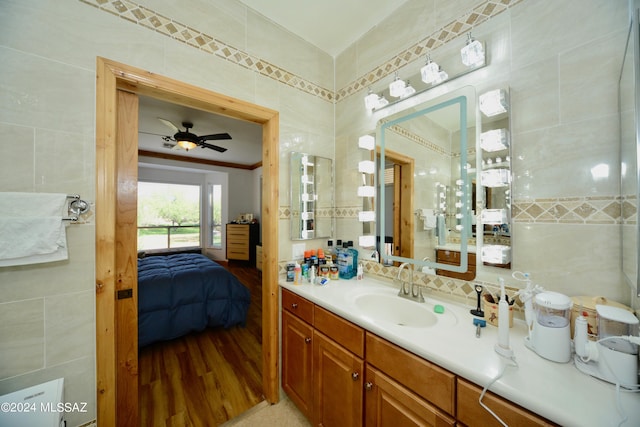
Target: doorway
{"type": "Point", "coordinates": [398, 178]}
{"type": "Point", "coordinates": [117, 88]}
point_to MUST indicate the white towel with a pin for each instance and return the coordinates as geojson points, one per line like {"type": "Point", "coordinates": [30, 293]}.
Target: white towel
{"type": "Point", "coordinates": [31, 228]}
{"type": "Point", "coordinates": [428, 217]}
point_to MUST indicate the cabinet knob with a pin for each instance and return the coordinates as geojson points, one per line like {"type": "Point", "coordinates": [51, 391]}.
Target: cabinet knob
{"type": "Point", "coordinates": [294, 305]}
{"type": "Point", "coordinates": [368, 386]}
{"type": "Point", "coordinates": [307, 340]}
{"type": "Point", "coordinates": [355, 376]}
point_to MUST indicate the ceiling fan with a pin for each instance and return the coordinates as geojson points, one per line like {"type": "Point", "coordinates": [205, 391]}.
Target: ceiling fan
{"type": "Point", "coordinates": [187, 140]}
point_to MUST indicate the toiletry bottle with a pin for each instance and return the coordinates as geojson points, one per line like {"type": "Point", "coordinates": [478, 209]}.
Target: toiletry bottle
{"type": "Point", "coordinates": [345, 262]}
{"type": "Point", "coordinates": [297, 274]}
{"type": "Point", "coordinates": [354, 258]}
{"type": "Point", "coordinates": [313, 259]}
{"type": "Point", "coordinates": [305, 265]}
{"type": "Point", "coordinates": [328, 252]}
{"type": "Point", "coordinates": [336, 250]}
{"type": "Point", "coordinates": [321, 258]}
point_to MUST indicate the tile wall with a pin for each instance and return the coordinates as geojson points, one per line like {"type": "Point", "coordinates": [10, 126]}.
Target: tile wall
{"type": "Point", "coordinates": [566, 229]}
{"type": "Point", "coordinates": [564, 122]}
{"type": "Point", "coordinates": [47, 126]}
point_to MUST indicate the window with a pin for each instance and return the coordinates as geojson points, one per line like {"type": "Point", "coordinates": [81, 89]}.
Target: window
{"type": "Point", "coordinates": [168, 215]}
{"type": "Point", "coordinates": [215, 201]}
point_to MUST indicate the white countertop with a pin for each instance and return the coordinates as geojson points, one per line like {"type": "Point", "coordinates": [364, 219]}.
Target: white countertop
{"type": "Point", "coordinates": [456, 247]}
{"type": "Point", "coordinates": [556, 391]}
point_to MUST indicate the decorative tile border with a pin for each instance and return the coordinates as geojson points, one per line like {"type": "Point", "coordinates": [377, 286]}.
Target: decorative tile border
{"type": "Point", "coordinates": [166, 26]}
{"type": "Point", "coordinates": [574, 210]}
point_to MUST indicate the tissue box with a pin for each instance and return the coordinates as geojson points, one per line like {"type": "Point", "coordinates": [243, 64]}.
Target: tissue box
{"type": "Point", "coordinates": [491, 311]}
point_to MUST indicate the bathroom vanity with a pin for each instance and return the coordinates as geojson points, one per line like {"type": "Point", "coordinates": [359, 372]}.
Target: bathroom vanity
{"type": "Point", "coordinates": [342, 365]}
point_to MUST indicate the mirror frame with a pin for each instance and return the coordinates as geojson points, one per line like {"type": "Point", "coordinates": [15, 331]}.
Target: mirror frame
{"type": "Point", "coordinates": [462, 102]}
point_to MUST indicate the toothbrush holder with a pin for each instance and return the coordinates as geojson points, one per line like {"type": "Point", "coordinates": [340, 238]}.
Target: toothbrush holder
{"type": "Point", "coordinates": [491, 311]}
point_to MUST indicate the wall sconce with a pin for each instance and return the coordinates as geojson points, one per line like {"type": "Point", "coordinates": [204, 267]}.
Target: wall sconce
{"type": "Point", "coordinates": [397, 87]}
{"type": "Point", "coordinates": [494, 140]}
{"type": "Point", "coordinates": [367, 166]}
{"type": "Point", "coordinates": [430, 71]}
{"type": "Point", "coordinates": [367, 142]}
{"type": "Point", "coordinates": [496, 254]}
{"type": "Point", "coordinates": [366, 191]}
{"type": "Point", "coordinates": [373, 101]}
{"type": "Point", "coordinates": [494, 102]}
{"type": "Point", "coordinates": [472, 53]}
{"type": "Point", "coordinates": [366, 216]}
{"type": "Point", "coordinates": [495, 178]}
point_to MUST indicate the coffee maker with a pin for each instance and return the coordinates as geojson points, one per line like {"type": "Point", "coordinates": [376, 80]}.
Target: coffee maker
{"type": "Point", "coordinates": [614, 356]}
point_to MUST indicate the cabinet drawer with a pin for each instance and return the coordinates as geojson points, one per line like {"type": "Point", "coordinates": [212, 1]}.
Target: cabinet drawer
{"type": "Point", "coordinates": [243, 245]}
{"type": "Point", "coordinates": [427, 380]}
{"type": "Point", "coordinates": [342, 331]}
{"type": "Point", "coordinates": [472, 414]}
{"type": "Point", "coordinates": [297, 305]}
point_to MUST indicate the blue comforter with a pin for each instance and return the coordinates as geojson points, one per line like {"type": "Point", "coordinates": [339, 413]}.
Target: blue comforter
{"type": "Point", "coordinates": [178, 294]}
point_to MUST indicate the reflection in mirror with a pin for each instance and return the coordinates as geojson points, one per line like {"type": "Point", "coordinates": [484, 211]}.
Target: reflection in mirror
{"type": "Point", "coordinates": [311, 196]}
{"type": "Point", "coordinates": [495, 178]}
{"type": "Point", "coordinates": [629, 105]}
{"type": "Point", "coordinates": [424, 193]}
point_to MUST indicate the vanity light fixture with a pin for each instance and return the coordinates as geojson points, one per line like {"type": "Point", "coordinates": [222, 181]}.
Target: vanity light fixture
{"type": "Point", "coordinates": [496, 254]}
{"type": "Point", "coordinates": [366, 216]}
{"type": "Point", "coordinates": [495, 178]}
{"type": "Point", "coordinates": [367, 142]}
{"type": "Point", "coordinates": [472, 53]}
{"type": "Point", "coordinates": [397, 87]}
{"type": "Point", "coordinates": [371, 100]}
{"type": "Point", "coordinates": [430, 72]}
{"type": "Point", "coordinates": [493, 102]}
{"type": "Point", "coordinates": [494, 140]}
{"type": "Point", "coordinates": [366, 191]}
{"type": "Point", "coordinates": [408, 90]}
{"type": "Point", "coordinates": [367, 166]}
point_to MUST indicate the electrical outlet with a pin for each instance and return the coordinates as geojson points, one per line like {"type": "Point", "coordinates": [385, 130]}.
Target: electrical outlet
{"type": "Point", "coordinates": [297, 250]}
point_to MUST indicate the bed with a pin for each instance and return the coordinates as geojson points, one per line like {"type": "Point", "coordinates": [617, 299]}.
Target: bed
{"type": "Point", "coordinates": [181, 293]}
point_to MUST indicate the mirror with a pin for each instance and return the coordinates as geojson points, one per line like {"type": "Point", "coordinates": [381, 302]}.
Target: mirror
{"type": "Point", "coordinates": [494, 181]}
{"type": "Point", "coordinates": [424, 193]}
{"type": "Point", "coordinates": [311, 196]}
{"type": "Point", "coordinates": [629, 105]}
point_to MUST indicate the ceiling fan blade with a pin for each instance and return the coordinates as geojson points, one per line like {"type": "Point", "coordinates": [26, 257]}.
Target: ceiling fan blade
{"type": "Point", "coordinates": [214, 137]}
{"type": "Point", "coordinates": [171, 125]}
{"type": "Point", "coordinates": [211, 146]}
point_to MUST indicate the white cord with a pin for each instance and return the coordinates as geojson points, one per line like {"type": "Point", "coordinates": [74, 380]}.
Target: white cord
{"type": "Point", "coordinates": [484, 390]}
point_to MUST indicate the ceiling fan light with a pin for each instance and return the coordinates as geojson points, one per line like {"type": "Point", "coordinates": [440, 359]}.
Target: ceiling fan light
{"type": "Point", "coordinates": [187, 145]}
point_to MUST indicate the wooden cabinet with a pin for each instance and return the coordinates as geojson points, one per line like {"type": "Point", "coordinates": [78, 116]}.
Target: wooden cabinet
{"type": "Point", "coordinates": [447, 256]}
{"type": "Point", "coordinates": [337, 384]}
{"type": "Point", "coordinates": [241, 242]}
{"type": "Point", "coordinates": [338, 374]}
{"type": "Point", "coordinates": [321, 375]}
{"type": "Point", "coordinates": [427, 380]}
{"type": "Point", "coordinates": [471, 414]}
{"type": "Point", "coordinates": [389, 403]}
{"type": "Point", "coordinates": [297, 352]}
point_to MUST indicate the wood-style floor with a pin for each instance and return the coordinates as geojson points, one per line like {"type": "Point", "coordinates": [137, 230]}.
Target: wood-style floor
{"type": "Point", "coordinates": [205, 378]}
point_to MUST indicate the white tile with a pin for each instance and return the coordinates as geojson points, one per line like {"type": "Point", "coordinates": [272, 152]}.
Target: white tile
{"type": "Point", "coordinates": [22, 337]}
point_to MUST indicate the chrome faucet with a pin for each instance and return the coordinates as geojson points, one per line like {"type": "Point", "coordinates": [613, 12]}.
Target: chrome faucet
{"type": "Point", "coordinates": [414, 292]}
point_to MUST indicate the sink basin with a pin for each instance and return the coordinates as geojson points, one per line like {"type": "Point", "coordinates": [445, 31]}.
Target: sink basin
{"type": "Point", "coordinates": [396, 310]}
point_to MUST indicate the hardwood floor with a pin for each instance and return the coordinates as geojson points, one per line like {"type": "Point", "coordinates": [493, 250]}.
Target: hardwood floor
{"type": "Point", "coordinates": [205, 378]}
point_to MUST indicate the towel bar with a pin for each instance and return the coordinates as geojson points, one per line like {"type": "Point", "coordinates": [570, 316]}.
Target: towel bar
{"type": "Point", "coordinates": [76, 207]}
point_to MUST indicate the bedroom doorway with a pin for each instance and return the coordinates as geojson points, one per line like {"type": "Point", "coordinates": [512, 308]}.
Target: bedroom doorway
{"type": "Point", "coordinates": [117, 88]}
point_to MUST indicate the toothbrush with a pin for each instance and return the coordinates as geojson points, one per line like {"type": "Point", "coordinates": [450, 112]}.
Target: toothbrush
{"type": "Point", "coordinates": [502, 346]}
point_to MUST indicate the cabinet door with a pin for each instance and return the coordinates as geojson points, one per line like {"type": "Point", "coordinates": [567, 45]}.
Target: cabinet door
{"type": "Point", "coordinates": [297, 362]}
{"type": "Point", "coordinates": [388, 403]}
{"type": "Point", "coordinates": [337, 384]}
{"type": "Point", "coordinates": [471, 414]}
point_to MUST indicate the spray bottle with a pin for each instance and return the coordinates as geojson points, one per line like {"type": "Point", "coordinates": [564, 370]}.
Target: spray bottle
{"type": "Point", "coordinates": [502, 346]}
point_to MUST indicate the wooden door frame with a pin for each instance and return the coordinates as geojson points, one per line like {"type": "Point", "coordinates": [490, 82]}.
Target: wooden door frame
{"type": "Point", "coordinates": [403, 193]}
{"type": "Point", "coordinates": [112, 76]}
